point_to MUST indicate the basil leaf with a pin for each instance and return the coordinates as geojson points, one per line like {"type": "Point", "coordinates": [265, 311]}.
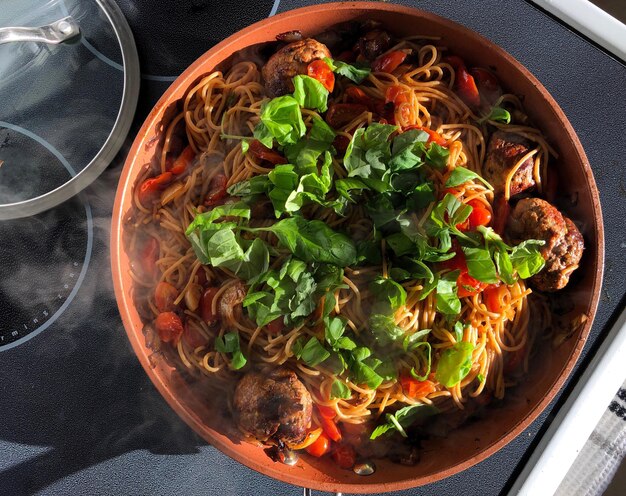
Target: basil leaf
{"type": "Point", "coordinates": [345, 186]}
{"type": "Point", "coordinates": [405, 154]}
{"type": "Point", "coordinates": [479, 264]}
{"type": "Point", "coordinates": [256, 185]}
{"type": "Point", "coordinates": [448, 302]}
{"type": "Point", "coordinates": [461, 175]}
{"type": "Point", "coordinates": [504, 265]}
{"type": "Point", "coordinates": [282, 119]}
{"type": "Point", "coordinates": [389, 291]}
{"type": "Point", "coordinates": [437, 156]}
{"type": "Point", "coordinates": [310, 93]}
{"type": "Point", "coordinates": [384, 329]}
{"type": "Point", "coordinates": [340, 389]}
{"type": "Point", "coordinates": [382, 429]}
{"type": "Point", "coordinates": [313, 241]}
{"type": "Point", "coordinates": [458, 331]}
{"type": "Point", "coordinates": [415, 338]}
{"type": "Point", "coordinates": [312, 353]}
{"type": "Point", "coordinates": [264, 135]}
{"type": "Point", "coordinates": [369, 151]}
{"type": "Point", "coordinates": [526, 258]}
{"type": "Point", "coordinates": [229, 344]}
{"type": "Point", "coordinates": [403, 419]}
{"type": "Point", "coordinates": [499, 114]}
{"type": "Point", "coordinates": [454, 364]}
{"type": "Point", "coordinates": [421, 196]}
{"type": "Point", "coordinates": [305, 153]}
{"type": "Point", "coordinates": [355, 72]}
{"type": "Point", "coordinates": [245, 144]}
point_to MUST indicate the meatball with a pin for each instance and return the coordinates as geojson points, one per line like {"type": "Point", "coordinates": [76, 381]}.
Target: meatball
{"type": "Point", "coordinates": [534, 218]}
{"type": "Point", "coordinates": [374, 43]}
{"type": "Point", "coordinates": [290, 61]}
{"type": "Point", "coordinates": [504, 151]}
{"type": "Point", "coordinates": [275, 408]}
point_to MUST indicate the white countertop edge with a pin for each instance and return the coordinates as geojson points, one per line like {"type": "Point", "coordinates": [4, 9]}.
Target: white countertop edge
{"type": "Point", "coordinates": [577, 418]}
{"type": "Point", "coordinates": [591, 21]}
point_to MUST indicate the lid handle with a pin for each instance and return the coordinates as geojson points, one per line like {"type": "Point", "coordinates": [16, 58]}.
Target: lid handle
{"type": "Point", "coordinates": [54, 33]}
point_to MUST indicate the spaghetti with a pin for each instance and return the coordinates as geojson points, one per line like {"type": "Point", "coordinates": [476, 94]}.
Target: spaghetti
{"type": "Point", "coordinates": [422, 95]}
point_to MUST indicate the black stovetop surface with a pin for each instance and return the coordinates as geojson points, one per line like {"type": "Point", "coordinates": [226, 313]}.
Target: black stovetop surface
{"type": "Point", "coordinates": [79, 416]}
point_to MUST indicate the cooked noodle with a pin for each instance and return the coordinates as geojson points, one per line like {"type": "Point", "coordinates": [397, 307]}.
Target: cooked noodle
{"type": "Point", "coordinates": [230, 104]}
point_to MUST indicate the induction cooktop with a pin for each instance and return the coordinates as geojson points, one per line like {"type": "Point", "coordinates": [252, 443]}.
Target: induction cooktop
{"type": "Point", "coordinates": [79, 416]}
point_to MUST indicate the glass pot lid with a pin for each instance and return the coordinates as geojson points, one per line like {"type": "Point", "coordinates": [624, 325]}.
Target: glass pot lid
{"type": "Point", "coordinates": [65, 108]}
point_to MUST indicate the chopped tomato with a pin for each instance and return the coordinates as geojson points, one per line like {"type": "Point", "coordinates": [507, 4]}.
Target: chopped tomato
{"type": "Point", "coordinates": [388, 62]}
{"type": "Point", "coordinates": [468, 286]}
{"type": "Point", "coordinates": [344, 455]}
{"type": "Point", "coordinates": [320, 447]}
{"type": "Point", "coordinates": [341, 143]}
{"type": "Point", "coordinates": [150, 189]}
{"type": "Point", "coordinates": [182, 162]}
{"type": "Point", "coordinates": [493, 297]}
{"type": "Point", "coordinates": [217, 191]}
{"type": "Point", "coordinates": [501, 212]}
{"type": "Point", "coordinates": [206, 304]}
{"type": "Point", "coordinates": [318, 69]}
{"type": "Point", "coordinates": [164, 296]}
{"type": "Point", "coordinates": [262, 152]}
{"type": "Point", "coordinates": [193, 337]}
{"type": "Point", "coordinates": [149, 256]}
{"type": "Point", "coordinates": [464, 83]}
{"type": "Point", "coordinates": [487, 84]}
{"type": "Point", "coordinates": [433, 136]}
{"type": "Point", "coordinates": [169, 326]}
{"type": "Point", "coordinates": [456, 192]}
{"type": "Point", "coordinates": [414, 388]}
{"type": "Point", "coordinates": [276, 326]}
{"type": "Point", "coordinates": [355, 94]}
{"type": "Point", "coordinates": [397, 94]}
{"type": "Point", "coordinates": [340, 114]}
{"type": "Point", "coordinates": [480, 216]}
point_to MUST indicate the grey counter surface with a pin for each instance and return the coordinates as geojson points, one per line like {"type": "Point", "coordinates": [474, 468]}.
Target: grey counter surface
{"type": "Point", "coordinates": [79, 416]}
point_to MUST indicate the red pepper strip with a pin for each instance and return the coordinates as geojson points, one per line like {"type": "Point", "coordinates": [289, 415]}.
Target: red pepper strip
{"type": "Point", "coordinates": [150, 189]}
{"type": "Point", "coordinates": [487, 84]}
{"type": "Point", "coordinates": [464, 83]}
{"type": "Point", "coordinates": [217, 192]}
{"type": "Point", "coordinates": [183, 160]}
{"type": "Point", "coordinates": [414, 388]}
{"type": "Point", "coordinates": [388, 62]}
{"type": "Point", "coordinates": [262, 152]}
{"type": "Point", "coordinates": [318, 69]}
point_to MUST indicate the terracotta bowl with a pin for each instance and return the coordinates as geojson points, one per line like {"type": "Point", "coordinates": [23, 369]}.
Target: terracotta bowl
{"type": "Point", "coordinates": [476, 440]}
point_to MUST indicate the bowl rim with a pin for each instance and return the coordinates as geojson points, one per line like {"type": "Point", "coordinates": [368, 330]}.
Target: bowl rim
{"type": "Point", "coordinates": [125, 304]}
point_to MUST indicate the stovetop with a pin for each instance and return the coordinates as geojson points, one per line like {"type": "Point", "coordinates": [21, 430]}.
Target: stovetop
{"type": "Point", "coordinates": [79, 416]}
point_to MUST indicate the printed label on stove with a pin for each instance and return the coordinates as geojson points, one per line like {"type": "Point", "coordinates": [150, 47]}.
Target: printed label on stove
{"type": "Point", "coordinates": [43, 260]}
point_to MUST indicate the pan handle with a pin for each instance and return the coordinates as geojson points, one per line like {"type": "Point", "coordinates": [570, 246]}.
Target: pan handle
{"type": "Point", "coordinates": [307, 492]}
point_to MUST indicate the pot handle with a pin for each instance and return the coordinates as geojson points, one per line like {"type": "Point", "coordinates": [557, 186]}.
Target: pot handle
{"type": "Point", "coordinates": [57, 32]}
{"type": "Point", "coordinates": [307, 492]}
